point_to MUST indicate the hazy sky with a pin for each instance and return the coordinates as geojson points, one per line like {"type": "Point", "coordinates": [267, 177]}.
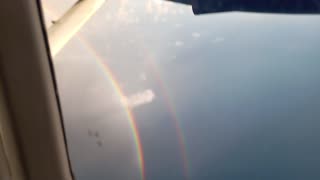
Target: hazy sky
{"type": "Point", "coordinates": [243, 89]}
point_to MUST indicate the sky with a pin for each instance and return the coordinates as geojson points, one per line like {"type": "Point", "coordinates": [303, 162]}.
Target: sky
{"type": "Point", "coordinates": [221, 96]}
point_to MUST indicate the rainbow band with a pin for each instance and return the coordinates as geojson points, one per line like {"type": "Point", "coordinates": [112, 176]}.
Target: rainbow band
{"type": "Point", "coordinates": [173, 115]}
{"type": "Point", "coordinates": [129, 114]}
{"type": "Point", "coordinates": [132, 122]}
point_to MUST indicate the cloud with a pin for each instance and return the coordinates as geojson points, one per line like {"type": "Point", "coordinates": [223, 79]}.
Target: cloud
{"type": "Point", "coordinates": [139, 98]}
{"type": "Point", "coordinates": [143, 76]}
{"type": "Point", "coordinates": [127, 14]}
{"type": "Point", "coordinates": [161, 7]}
{"type": "Point", "coordinates": [179, 43]}
{"type": "Point", "coordinates": [173, 57]}
{"type": "Point", "coordinates": [158, 1]}
{"type": "Point", "coordinates": [196, 35]}
{"type": "Point", "coordinates": [181, 10]}
{"type": "Point", "coordinates": [217, 40]}
{"type": "Point", "coordinates": [163, 19]}
{"type": "Point", "coordinates": [178, 25]}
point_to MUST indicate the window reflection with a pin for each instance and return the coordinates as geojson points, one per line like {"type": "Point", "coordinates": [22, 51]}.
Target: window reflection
{"type": "Point", "coordinates": [150, 91]}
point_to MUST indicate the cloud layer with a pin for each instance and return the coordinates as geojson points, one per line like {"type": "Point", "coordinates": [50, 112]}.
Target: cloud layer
{"type": "Point", "coordinates": [139, 98]}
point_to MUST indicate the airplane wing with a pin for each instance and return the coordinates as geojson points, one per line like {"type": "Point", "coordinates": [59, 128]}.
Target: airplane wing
{"type": "Point", "coordinates": [68, 25]}
{"type": "Point", "coordinates": [188, 2]}
{"type": "Point", "coordinates": [258, 6]}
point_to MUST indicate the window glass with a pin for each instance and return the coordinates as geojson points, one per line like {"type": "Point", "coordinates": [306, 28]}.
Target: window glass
{"type": "Point", "coordinates": [149, 91]}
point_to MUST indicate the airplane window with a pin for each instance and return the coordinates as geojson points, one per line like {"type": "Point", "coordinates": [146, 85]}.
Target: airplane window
{"type": "Point", "coordinates": [150, 91]}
